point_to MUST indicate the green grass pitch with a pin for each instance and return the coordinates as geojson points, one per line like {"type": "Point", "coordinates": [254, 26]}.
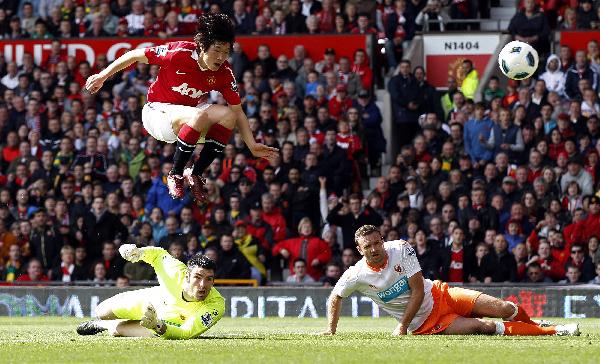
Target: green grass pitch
{"type": "Point", "coordinates": [274, 340]}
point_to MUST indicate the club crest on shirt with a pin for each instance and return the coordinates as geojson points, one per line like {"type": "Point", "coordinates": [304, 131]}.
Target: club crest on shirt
{"type": "Point", "coordinates": [372, 286]}
{"type": "Point", "coordinates": [234, 87]}
{"type": "Point", "coordinates": [206, 319]}
{"type": "Point", "coordinates": [211, 80]}
{"type": "Point", "coordinates": [398, 268]}
{"type": "Point", "coordinates": [161, 50]}
{"type": "Point", "coordinates": [182, 317]}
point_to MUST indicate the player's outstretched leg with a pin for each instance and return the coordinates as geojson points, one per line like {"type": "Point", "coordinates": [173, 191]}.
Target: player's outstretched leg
{"type": "Point", "coordinates": [470, 326]}
{"type": "Point", "coordinates": [488, 306]}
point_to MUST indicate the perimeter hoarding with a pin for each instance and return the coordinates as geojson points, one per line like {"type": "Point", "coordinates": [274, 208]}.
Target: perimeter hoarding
{"type": "Point", "coordinates": [89, 48]}
{"type": "Point", "coordinates": [443, 54]}
{"type": "Point", "coordinates": [578, 40]}
{"type": "Point", "coordinates": [557, 301]}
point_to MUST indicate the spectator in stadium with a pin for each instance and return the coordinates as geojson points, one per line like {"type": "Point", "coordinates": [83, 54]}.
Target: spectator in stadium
{"type": "Point", "coordinates": [45, 242]}
{"type": "Point", "coordinates": [101, 226]}
{"type": "Point", "coordinates": [231, 264]}
{"type": "Point", "coordinates": [577, 173]}
{"type": "Point", "coordinates": [295, 21]}
{"type": "Point", "coordinates": [580, 71]}
{"type": "Point", "coordinates": [596, 279]}
{"type": "Point", "coordinates": [307, 246]}
{"type": "Point", "coordinates": [456, 265]}
{"type": "Point", "coordinates": [35, 272]}
{"type": "Point", "coordinates": [177, 250]}
{"type": "Point", "coordinates": [11, 267]}
{"type": "Point", "coordinates": [477, 131]}
{"type": "Point", "coordinates": [244, 21]}
{"type": "Point", "coordinates": [111, 261]}
{"type": "Point", "coordinates": [431, 18]}
{"type": "Point", "coordinates": [505, 136]}
{"type": "Point", "coordinates": [470, 80]}
{"type": "Point", "coordinates": [252, 250]}
{"type": "Point", "coordinates": [67, 270]}
{"type": "Point", "coordinates": [583, 263]}
{"type": "Point", "coordinates": [158, 194]}
{"type": "Point", "coordinates": [350, 215]}
{"type": "Point", "coordinates": [530, 25]}
{"type": "Point", "coordinates": [300, 271]}
{"type": "Point", "coordinates": [405, 97]}
{"type": "Point", "coordinates": [554, 77]}
{"type": "Point", "coordinates": [586, 14]}
{"type": "Point", "coordinates": [535, 274]}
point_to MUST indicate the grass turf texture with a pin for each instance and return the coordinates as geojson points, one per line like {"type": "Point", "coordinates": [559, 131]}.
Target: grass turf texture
{"type": "Point", "coordinates": [274, 340]}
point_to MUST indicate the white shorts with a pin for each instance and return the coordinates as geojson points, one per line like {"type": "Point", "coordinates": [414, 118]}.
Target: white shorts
{"type": "Point", "coordinates": [158, 117]}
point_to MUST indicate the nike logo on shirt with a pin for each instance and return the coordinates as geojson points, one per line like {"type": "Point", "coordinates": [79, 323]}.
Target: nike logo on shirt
{"type": "Point", "coordinates": [180, 73]}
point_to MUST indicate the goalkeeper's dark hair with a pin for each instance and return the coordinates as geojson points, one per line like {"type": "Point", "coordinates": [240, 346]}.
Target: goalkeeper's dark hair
{"type": "Point", "coordinates": [202, 261]}
{"type": "Point", "coordinates": [214, 28]}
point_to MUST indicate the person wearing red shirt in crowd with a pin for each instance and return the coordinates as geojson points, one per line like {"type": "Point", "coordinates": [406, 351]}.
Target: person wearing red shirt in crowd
{"type": "Point", "coordinates": [56, 55]}
{"type": "Point", "coordinates": [551, 267]}
{"type": "Point", "coordinates": [590, 226]}
{"type": "Point", "coordinates": [34, 272]}
{"type": "Point", "coordinates": [316, 136]}
{"type": "Point", "coordinates": [314, 250]}
{"type": "Point", "coordinates": [362, 69]}
{"type": "Point", "coordinates": [347, 140]}
{"type": "Point", "coordinates": [326, 17]}
{"type": "Point", "coordinates": [455, 265]}
{"type": "Point", "coordinates": [363, 25]}
{"type": "Point", "coordinates": [10, 151]}
{"type": "Point", "coordinates": [340, 103]}
{"type": "Point", "coordinates": [188, 16]}
{"type": "Point", "coordinates": [177, 111]}
{"type": "Point", "coordinates": [272, 216]}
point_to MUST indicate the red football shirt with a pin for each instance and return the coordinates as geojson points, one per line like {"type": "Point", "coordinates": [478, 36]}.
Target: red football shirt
{"type": "Point", "coordinates": [181, 81]}
{"type": "Point", "coordinates": [455, 272]}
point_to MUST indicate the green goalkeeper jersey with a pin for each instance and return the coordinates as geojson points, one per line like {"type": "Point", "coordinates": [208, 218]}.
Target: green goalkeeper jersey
{"type": "Point", "coordinates": [184, 319]}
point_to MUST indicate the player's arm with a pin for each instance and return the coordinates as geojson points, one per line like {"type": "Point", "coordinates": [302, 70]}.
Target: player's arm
{"type": "Point", "coordinates": [198, 324]}
{"type": "Point", "coordinates": [257, 149]}
{"type": "Point", "coordinates": [417, 294]}
{"type": "Point", "coordinates": [334, 305]}
{"type": "Point", "coordinates": [166, 267]}
{"type": "Point", "coordinates": [95, 82]}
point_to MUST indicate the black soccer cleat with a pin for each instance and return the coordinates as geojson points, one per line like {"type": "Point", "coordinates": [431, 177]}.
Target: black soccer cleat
{"type": "Point", "coordinates": [90, 328]}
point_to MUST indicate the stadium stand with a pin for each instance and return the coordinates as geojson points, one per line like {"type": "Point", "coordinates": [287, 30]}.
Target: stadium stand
{"type": "Point", "coordinates": [490, 181]}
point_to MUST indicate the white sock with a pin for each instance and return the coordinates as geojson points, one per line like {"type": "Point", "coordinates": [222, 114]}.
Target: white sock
{"type": "Point", "coordinates": [511, 317]}
{"type": "Point", "coordinates": [110, 325]}
{"type": "Point", "coordinates": [499, 327]}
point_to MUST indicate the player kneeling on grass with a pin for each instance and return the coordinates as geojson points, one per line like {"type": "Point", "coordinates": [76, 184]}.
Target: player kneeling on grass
{"type": "Point", "coordinates": [184, 306]}
{"type": "Point", "coordinates": [390, 275]}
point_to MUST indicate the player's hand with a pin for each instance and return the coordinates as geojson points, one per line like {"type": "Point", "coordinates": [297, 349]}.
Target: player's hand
{"type": "Point", "coordinates": [400, 330]}
{"type": "Point", "coordinates": [284, 253]}
{"type": "Point", "coordinates": [263, 151]}
{"type": "Point", "coordinates": [94, 83]}
{"type": "Point", "coordinates": [151, 321]}
{"type": "Point", "coordinates": [130, 252]}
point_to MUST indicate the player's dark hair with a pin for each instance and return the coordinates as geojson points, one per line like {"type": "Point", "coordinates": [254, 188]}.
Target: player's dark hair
{"type": "Point", "coordinates": [364, 231]}
{"type": "Point", "coordinates": [202, 261]}
{"type": "Point", "coordinates": [214, 28]}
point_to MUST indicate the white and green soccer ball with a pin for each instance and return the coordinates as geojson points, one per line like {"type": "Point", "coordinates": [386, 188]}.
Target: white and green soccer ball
{"type": "Point", "coordinates": [518, 60]}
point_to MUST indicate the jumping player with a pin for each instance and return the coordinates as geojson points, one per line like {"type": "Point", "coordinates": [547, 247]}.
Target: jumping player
{"type": "Point", "coordinates": [390, 275]}
{"type": "Point", "coordinates": [177, 110]}
{"type": "Point", "coordinates": [183, 306]}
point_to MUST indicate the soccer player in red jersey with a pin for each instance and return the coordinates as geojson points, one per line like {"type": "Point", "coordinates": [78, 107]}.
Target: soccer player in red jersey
{"type": "Point", "coordinates": [177, 111]}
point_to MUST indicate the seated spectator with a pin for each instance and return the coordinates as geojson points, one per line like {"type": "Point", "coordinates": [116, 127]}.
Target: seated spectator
{"type": "Point", "coordinates": [99, 275]}
{"type": "Point", "coordinates": [177, 250]}
{"type": "Point", "coordinates": [299, 275]}
{"type": "Point", "coordinates": [307, 246]}
{"type": "Point", "coordinates": [13, 266]}
{"type": "Point", "coordinates": [112, 261]}
{"type": "Point", "coordinates": [573, 276]}
{"type": "Point", "coordinates": [34, 272]}
{"type": "Point", "coordinates": [67, 271]}
{"type": "Point", "coordinates": [596, 279]}
{"type": "Point", "coordinates": [122, 282]}
{"type": "Point", "coordinates": [333, 272]}
{"type": "Point", "coordinates": [535, 274]}
{"type": "Point", "coordinates": [501, 262]}
{"type": "Point", "coordinates": [252, 250]}
{"type": "Point", "coordinates": [231, 263]}
{"type": "Point", "coordinates": [583, 263]}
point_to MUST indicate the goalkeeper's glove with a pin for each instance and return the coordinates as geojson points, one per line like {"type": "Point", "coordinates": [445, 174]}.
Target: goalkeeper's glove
{"type": "Point", "coordinates": [151, 321]}
{"type": "Point", "coordinates": [130, 252]}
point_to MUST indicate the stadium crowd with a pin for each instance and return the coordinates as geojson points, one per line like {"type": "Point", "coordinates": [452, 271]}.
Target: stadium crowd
{"type": "Point", "coordinates": [492, 191]}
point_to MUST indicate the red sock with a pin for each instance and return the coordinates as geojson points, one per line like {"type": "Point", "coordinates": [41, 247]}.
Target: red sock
{"type": "Point", "coordinates": [522, 316]}
{"type": "Point", "coordinates": [219, 133]}
{"type": "Point", "coordinates": [521, 328]}
{"type": "Point", "coordinates": [188, 135]}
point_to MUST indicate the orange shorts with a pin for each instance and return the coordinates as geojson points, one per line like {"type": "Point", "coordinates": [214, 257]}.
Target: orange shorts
{"type": "Point", "coordinates": [448, 304]}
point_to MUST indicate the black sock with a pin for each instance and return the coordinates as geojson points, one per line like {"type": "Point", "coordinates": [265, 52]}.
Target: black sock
{"type": "Point", "coordinates": [183, 152]}
{"type": "Point", "coordinates": [209, 152]}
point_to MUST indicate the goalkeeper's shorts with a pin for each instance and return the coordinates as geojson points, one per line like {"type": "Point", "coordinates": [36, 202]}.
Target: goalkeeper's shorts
{"type": "Point", "coordinates": [130, 305]}
{"type": "Point", "coordinates": [448, 304]}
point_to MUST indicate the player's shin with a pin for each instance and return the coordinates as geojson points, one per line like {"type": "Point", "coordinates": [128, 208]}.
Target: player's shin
{"type": "Point", "coordinates": [521, 328]}
{"type": "Point", "coordinates": [186, 144]}
{"type": "Point", "coordinates": [211, 150]}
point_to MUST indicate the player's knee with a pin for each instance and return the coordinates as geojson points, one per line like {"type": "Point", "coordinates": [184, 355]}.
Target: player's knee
{"type": "Point", "coordinates": [201, 120]}
{"type": "Point", "coordinates": [228, 119]}
{"type": "Point", "coordinates": [507, 309]}
{"type": "Point", "coordinates": [104, 311]}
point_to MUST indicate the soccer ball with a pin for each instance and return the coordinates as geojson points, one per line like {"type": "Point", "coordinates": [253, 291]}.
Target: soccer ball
{"type": "Point", "coordinates": [518, 60]}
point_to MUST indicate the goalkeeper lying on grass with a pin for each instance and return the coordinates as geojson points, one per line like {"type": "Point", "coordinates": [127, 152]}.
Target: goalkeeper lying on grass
{"type": "Point", "coordinates": [183, 306]}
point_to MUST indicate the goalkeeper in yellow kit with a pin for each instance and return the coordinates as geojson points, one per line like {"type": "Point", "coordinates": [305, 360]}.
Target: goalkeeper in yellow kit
{"type": "Point", "coordinates": [183, 306]}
